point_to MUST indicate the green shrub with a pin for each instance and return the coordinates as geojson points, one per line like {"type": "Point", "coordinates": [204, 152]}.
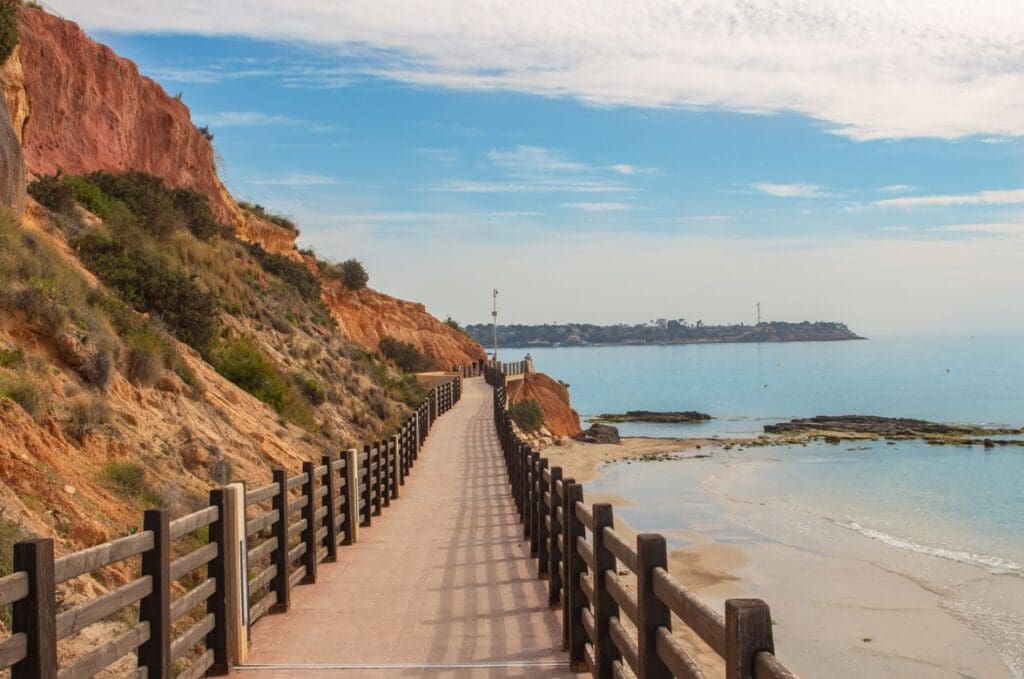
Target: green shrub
{"type": "Point", "coordinates": [51, 191]}
{"type": "Point", "coordinates": [85, 413]}
{"type": "Point", "coordinates": [89, 195]}
{"type": "Point", "coordinates": [290, 271]}
{"type": "Point", "coordinates": [11, 534]}
{"type": "Point", "coordinates": [407, 357]}
{"type": "Point", "coordinates": [262, 213]}
{"type": "Point", "coordinates": [312, 390]}
{"type": "Point", "coordinates": [128, 479]}
{"type": "Point", "coordinates": [527, 415]}
{"type": "Point", "coordinates": [205, 131]}
{"type": "Point", "coordinates": [27, 391]}
{"type": "Point", "coordinates": [353, 274]}
{"type": "Point", "coordinates": [8, 27]}
{"type": "Point", "coordinates": [12, 358]}
{"type": "Point", "coordinates": [147, 356]}
{"type": "Point", "coordinates": [98, 366]}
{"type": "Point", "coordinates": [245, 365]}
{"type": "Point", "coordinates": [159, 210]}
{"type": "Point", "coordinates": [150, 285]}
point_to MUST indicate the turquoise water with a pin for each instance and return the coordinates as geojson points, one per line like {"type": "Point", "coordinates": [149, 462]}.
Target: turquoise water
{"type": "Point", "coordinates": [947, 379]}
{"type": "Point", "coordinates": [959, 503]}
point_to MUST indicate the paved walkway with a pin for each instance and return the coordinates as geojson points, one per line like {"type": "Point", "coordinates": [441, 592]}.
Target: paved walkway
{"type": "Point", "coordinates": [441, 585]}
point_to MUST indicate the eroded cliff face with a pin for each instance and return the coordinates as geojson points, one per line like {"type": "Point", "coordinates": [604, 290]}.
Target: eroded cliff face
{"type": "Point", "coordinates": [559, 417]}
{"type": "Point", "coordinates": [78, 108]}
{"type": "Point", "coordinates": [368, 316]}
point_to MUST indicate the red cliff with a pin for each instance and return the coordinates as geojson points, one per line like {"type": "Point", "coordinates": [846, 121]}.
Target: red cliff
{"type": "Point", "coordinates": [559, 417]}
{"type": "Point", "coordinates": [368, 316]}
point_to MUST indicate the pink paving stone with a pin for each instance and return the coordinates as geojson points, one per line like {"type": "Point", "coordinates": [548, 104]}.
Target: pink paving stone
{"type": "Point", "coordinates": [443, 577]}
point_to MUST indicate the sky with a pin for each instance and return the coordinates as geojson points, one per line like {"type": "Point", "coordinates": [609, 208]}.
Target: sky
{"type": "Point", "coordinates": [623, 161]}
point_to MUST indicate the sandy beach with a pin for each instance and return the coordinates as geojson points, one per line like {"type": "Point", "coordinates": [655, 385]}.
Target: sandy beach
{"type": "Point", "coordinates": [843, 604]}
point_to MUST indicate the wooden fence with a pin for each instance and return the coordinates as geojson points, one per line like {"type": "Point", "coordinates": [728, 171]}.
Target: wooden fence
{"type": "Point", "coordinates": [292, 525]}
{"type": "Point", "coordinates": [613, 621]}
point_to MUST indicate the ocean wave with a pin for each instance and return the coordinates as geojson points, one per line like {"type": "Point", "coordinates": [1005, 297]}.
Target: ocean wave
{"type": "Point", "coordinates": [996, 565]}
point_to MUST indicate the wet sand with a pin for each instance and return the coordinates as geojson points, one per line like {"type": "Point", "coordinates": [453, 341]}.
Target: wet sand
{"type": "Point", "coordinates": [843, 604]}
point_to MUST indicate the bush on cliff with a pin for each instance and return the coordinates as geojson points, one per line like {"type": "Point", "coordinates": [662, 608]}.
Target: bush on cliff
{"type": "Point", "coordinates": [8, 27]}
{"type": "Point", "coordinates": [527, 415]}
{"type": "Point", "coordinates": [262, 213]}
{"type": "Point", "coordinates": [159, 209]}
{"type": "Point", "coordinates": [351, 273]}
{"type": "Point", "coordinates": [407, 357]}
{"type": "Point", "coordinates": [53, 193]}
{"type": "Point", "coordinates": [288, 270]}
{"type": "Point", "coordinates": [241, 362]}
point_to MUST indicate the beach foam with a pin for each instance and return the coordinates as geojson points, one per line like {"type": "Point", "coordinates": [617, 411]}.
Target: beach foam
{"type": "Point", "coordinates": [996, 565]}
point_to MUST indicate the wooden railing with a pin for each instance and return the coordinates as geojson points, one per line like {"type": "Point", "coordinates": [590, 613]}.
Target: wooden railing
{"type": "Point", "coordinates": [292, 525]}
{"type": "Point", "coordinates": [613, 621]}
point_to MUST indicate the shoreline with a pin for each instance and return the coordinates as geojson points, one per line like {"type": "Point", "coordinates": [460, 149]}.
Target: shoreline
{"type": "Point", "coordinates": [837, 595]}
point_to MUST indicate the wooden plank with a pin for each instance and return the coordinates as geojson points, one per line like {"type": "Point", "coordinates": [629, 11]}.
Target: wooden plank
{"type": "Point", "coordinates": [587, 586]}
{"type": "Point", "coordinates": [78, 618]}
{"type": "Point", "coordinates": [192, 598]}
{"type": "Point", "coordinates": [297, 575]}
{"type": "Point", "coordinates": [652, 613]}
{"type": "Point", "coordinates": [622, 596]}
{"type": "Point", "coordinates": [625, 643]}
{"type": "Point", "coordinates": [585, 551]}
{"type": "Point", "coordinates": [108, 653]}
{"type": "Point", "coordinates": [301, 502]}
{"type": "Point", "coordinates": [675, 657]}
{"type": "Point", "coordinates": [297, 551]}
{"type": "Point", "coordinates": [295, 481]}
{"type": "Point", "coordinates": [183, 644]}
{"type": "Point", "coordinates": [198, 667]}
{"type": "Point", "coordinates": [261, 607]}
{"type": "Point", "coordinates": [622, 551]}
{"type": "Point", "coordinates": [262, 579]}
{"type": "Point", "coordinates": [193, 560]}
{"type": "Point", "coordinates": [309, 513]}
{"type": "Point", "coordinates": [695, 614]}
{"type": "Point", "coordinates": [261, 522]}
{"type": "Point", "coordinates": [767, 666]}
{"type": "Point", "coordinates": [88, 560]}
{"type": "Point", "coordinates": [282, 580]}
{"type": "Point", "coordinates": [262, 494]}
{"type": "Point", "coordinates": [589, 627]}
{"type": "Point", "coordinates": [13, 587]}
{"type": "Point", "coordinates": [261, 550]}
{"type": "Point", "coordinates": [192, 522]}
{"type": "Point", "coordinates": [584, 515]}
{"type": "Point", "coordinates": [13, 649]}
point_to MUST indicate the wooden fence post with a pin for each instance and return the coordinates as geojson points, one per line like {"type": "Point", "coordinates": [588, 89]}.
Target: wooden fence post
{"type": "Point", "coordinates": [748, 631]}
{"type": "Point", "coordinates": [397, 447]}
{"type": "Point", "coordinates": [555, 552]}
{"type": "Point", "coordinates": [576, 567]}
{"type": "Point", "coordinates": [155, 654]}
{"type": "Point", "coordinates": [330, 504]}
{"type": "Point", "coordinates": [309, 532]}
{"type": "Point", "coordinates": [567, 554]}
{"type": "Point", "coordinates": [605, 651]}
{"type": "Point", "coordinates": [542, 518]}
{"type": "Point", "coordinates": [35, 616]}
{"type": "Point", "coordinates": [531, 523]}
{"type": "Point", "coordinates": [384, 469]}
{"type": "Point", "coordinates": [279, 557]}
{"type": "Point", "coordinates": [367, 516]}
{"type": "Point", "coordinates": [219, 638]}
{"type": "Point", "coordinates": [652, 613]}
{"type": "Point", "coordinates": [350, 506]}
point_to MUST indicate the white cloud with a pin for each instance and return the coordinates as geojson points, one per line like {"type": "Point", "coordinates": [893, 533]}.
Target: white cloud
{"type": "Point", "coordinates": [296, 179]}
{"type": "Point", "coordinates": [895, 188]}
{"type": "Point", "coordinates": [990, 228]}
{"type": "Point", "coordinates": [599, 207]}
{"type": "Point", "coordinates": [997, 197]}
{"type": "Point", "coordinates": [790, 190]}
{"type": "Point", "coordinates": [532, 186]}
{"type": "Point", "coordinates": [244, 119]}
{"type": "Point", "coordinates": [442, 156]}
{"type": "Point", "coordinates": [869, 69]}
{"type": "Point", "coordinates": [534, 159]}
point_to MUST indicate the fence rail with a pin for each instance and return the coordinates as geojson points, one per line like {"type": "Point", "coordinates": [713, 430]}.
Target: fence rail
{"type": "Point", "coordinates": [289, 527]}
{"type": "Point", "coordinates": [613, 622]}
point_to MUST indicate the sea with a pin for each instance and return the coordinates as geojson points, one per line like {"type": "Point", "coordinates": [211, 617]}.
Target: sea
{"type": "Point", "coordinates": [956, 504]}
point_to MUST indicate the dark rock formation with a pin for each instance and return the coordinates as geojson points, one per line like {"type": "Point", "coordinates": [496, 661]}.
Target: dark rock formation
{"type": "Point", "coordinates": [599, 433]}
{"type": "Point", "coordinates": [889, 427]}
{"type": "Point", "coordinates": [679, 417]}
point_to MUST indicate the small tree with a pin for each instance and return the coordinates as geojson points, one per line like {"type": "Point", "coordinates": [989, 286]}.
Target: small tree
{"type": "Point", "coordinates": [8, 28]}
{"type": "Point", "coordinates": [527, 415]}
{"type": "Point", "coordinates": [353, 274]}
{"type": "Point", "coordinates": [407, 357]}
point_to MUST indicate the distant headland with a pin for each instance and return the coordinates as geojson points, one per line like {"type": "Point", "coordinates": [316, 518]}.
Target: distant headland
{"type": "Point", "coordinates": [661, 331]}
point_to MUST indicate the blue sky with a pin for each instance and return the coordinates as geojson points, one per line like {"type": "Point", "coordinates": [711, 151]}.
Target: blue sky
{"type": "Point", "coordinates": [601, 174]}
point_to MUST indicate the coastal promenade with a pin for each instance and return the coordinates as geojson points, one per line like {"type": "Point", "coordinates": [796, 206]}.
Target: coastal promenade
{"type": "Point", "coordinates": [442, 586]}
